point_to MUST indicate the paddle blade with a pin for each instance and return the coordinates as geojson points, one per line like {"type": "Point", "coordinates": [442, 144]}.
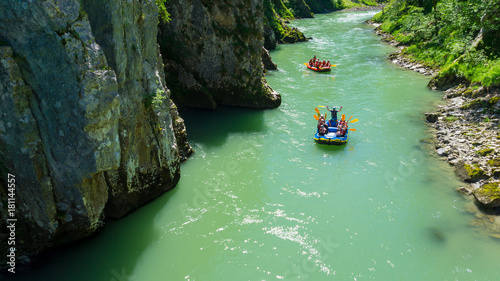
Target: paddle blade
{"type": "Point", "coordinates": [316, 117]}
{"type": "Point", "coordinates": [343, 117]}
{"type": "Point", "coordinates": [354, 120]}
{"type": "Point", "coordinates": [325, 116]}
{"type": "Point", "coordinates": [321, 106]}
{"type": "Point", "coordinates": [350, 118]}
{"type": "Point", "coordinates": [305, 63]}
{"type": "Point", "coordinates": [354, 130]}
{"type": "Point", "coordinates": [317, 110]}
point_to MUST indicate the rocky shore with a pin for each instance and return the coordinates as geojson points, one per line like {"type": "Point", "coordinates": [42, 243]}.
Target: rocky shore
{"type": "Point", "coordinates": [467, 137]}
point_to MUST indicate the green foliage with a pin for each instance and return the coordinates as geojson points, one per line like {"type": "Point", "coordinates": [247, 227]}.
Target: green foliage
{"type": "Point", "coordinates": [155, 99]}
{"type": "Point", "coordinates": [462, 38]}
{"type": "Point", "coordinates": [282, 31]}
{"type": "Point", "coordinates": [346, 4]}
{"type": "Point", "coordinates": [282, 10]}
{"type": "Point", "coordinates": [320, 6]}
{"type": "Point", "coordinates": [162, 10]}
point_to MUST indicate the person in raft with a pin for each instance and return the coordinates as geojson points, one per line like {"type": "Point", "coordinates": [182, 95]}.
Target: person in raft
{"type": "Point", "coordinates": [333, 118]}
{"type": "Point", "coordinates": [322, 127]}
{"type": "Point", "coordinates": [342, 128]}
{"type": "Point", "coordinates": [312, 62]}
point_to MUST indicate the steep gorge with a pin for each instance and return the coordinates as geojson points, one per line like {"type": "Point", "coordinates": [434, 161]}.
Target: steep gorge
{"type": "Point", "coordinates": [87, 125]}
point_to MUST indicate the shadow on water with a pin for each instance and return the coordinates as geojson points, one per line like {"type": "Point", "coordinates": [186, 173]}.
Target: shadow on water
{"type": "Point", "coordinates": [213, 127]}
{"type": "Point", "coordinates": [111, 254]}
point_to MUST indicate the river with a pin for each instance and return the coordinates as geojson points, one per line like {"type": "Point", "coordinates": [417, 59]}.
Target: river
{"type": "Point", "coordinates": [259, 200]}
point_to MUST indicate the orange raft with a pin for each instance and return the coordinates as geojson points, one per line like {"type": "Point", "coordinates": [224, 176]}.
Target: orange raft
{"type": "Point", "coordinates": [321, 69]}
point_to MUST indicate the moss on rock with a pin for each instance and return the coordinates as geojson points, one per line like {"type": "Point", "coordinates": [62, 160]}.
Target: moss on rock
{"type": "Point", "coordinates": [484, 152]}
{"type": "Point", "coordinates": [474, 171]}
{"type": "Point", "coordinates": [495, 162]}
{"type": "Point", "coordinates": [488, 195]}
{"type": "Point", "coordinates": [469, 173]}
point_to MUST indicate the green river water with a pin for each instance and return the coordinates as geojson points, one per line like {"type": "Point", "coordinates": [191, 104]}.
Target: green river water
{"type": "Point", "coordinates": [259, 200]}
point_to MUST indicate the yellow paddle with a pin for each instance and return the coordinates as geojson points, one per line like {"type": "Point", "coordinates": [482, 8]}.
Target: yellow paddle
{"type": "Point", "coordinates": [317, 111]}
{"type": "Point", "coordinates": [354, 120]}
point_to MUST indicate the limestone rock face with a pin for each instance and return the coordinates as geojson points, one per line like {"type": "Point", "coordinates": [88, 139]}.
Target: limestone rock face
{"type": "Point", "coordinates": [266, 60]}
{"type": "Point", "coordinates": [212, 52]}
{"type": "Point", "coordinates": [76, 128]}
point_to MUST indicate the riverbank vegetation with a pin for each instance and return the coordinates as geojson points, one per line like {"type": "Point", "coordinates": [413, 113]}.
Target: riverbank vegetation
{"type": "Point", "coordinates": [459, 38]}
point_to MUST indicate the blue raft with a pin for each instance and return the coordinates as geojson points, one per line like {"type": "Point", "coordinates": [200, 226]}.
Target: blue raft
{"type": "Point", "coordinates": [331, 137]}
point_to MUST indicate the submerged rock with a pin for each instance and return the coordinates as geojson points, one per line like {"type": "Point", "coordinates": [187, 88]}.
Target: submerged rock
{"type": "Point", "coordinates": [431, 117]}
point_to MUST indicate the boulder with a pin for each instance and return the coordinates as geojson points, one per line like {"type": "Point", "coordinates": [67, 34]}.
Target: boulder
{"type": "Point", "coordinates": [469, 173]}
{"type": "Point", "coordinates": [267, 61]}
{"type": "Point", "coordinates": [488, 195]}
{"type": "Point", "coordinates": [444, 151]}
{"type": "Point", "coordinates": [431, 117]}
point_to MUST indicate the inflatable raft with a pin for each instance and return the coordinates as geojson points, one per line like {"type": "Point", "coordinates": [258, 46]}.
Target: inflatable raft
{"type": "Point", "coordinates": [321, 69]}
{"type": "Point", "coordinates": [331, 137]}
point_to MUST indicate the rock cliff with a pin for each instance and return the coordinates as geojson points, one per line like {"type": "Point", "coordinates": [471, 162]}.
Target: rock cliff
{"type": "Point", "coordinates": [212, 52]}
{"type": "Point", "coordinates": [86, 122]}
{"type": "Point", "coordinates": [275, 29]}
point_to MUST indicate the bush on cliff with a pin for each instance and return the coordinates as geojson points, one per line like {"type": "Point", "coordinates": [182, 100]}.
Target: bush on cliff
{"type": "Point", "coordinates": [274, 13]}
{"type": "Point", "coordinates": [162, 10]}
